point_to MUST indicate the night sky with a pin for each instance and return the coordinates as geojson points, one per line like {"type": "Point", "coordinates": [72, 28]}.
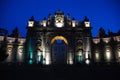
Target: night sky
{"type": "Point", "coordinates": [101, 13]}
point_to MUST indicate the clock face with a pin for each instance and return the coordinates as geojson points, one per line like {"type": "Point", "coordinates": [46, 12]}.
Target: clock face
{"type": "Point", "coordinates": [59, 22]}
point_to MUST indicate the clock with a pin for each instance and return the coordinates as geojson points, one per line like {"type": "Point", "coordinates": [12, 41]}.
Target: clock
{"type": "Point", "coordinates": [59, 22]}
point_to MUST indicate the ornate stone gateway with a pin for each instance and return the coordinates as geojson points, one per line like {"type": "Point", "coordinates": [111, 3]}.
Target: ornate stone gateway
{"type": "Point", "coordinates": [59, 50]}
{"type": "Point", "coordinates": [58, 40]}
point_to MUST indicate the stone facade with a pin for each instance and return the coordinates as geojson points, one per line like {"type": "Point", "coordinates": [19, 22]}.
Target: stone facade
{"type": "Point", "coordinates": [60, 40]}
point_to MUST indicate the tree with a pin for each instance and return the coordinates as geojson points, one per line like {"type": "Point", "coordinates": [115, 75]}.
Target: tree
{"type": "Point", "coordinates": [3, 54]}
{"type": "Point", "coordinates": [15, 33]}
{"type": "Point", "coordinates": [101, 33]}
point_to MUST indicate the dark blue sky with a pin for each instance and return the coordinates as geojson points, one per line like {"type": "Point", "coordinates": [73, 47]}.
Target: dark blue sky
{"type": "Point", "coordinates": [101, 13]}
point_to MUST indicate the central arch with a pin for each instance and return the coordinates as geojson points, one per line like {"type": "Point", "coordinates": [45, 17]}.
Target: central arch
{"type": "Point", "coordinates": [59, 38]}
{"type": "Point", "coordinates": [59, 49]}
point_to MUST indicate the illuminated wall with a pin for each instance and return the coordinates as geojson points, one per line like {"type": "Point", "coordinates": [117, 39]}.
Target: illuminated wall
{"type": "Point", "coordinates": [106, 49]}
{"type": "Point", "coordinates": [30, 51]}
{"type": "Point", "coordinates": [87, 48]}
{"type": "Point", "coordinates": [10, 53]}
{"type": "Point", "coordinates": [79, 56]}
{"type": "Point", "coordinates": [79, 50]}
{"type": "Point", "coordinates": [118, 53]}
{"type": "Point", "coordinates": [15, 50]}
{"type": "Point", "coordinates": [20, 53]}
{"type": "Point", "coordinates": [102, 49]}
{"type": "Point", "coordinates": [97, 56]}
{"type": "Point", "coordinates": [81, 47]}
{"type": "Point", "coordinates": [108, 54]}
{"type": "Point", "coordinates": [70, 58]}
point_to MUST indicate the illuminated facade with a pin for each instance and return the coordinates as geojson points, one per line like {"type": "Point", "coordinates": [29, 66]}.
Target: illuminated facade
{"type": "Point", "coordinates": [60, 40]}
{"type": "Point", "coordinates": [106, 49]}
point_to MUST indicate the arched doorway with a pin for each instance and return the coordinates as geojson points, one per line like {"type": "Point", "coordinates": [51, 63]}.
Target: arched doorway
{"type": "Point", "coordinates": [59, 50]}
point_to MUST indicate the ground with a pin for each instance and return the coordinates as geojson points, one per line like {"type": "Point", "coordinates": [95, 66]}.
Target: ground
{"type": "Point", "coordinates": [59, 72]}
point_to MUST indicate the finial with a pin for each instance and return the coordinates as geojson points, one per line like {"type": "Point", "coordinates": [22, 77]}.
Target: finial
{"type": "Point", "coordinates": [44, 18]}
{"type": "Point", "coordinates": [86, 19]}
{"type": "Point", "coordinates": [32, 18]}
{"type": "Point", "coordinates": [73, 18]}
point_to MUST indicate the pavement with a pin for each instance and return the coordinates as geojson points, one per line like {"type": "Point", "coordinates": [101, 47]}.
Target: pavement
{"type": "Point", "coordinates": [59, 72]}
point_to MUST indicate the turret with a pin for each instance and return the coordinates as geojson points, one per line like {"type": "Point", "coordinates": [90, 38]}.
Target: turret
{"type": "Point", "coordinates": [31, 22]}
{"type": "Point", "coordinates": [68, 17]}
{"type": "Point", "coordinates": [86, 22]}
{"type": "Point", "coordinates": [73, 22]}
{"type": "Point", "coordinates": [44, 22]}
{"type": "Point", "coordinates": [59, 19]}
